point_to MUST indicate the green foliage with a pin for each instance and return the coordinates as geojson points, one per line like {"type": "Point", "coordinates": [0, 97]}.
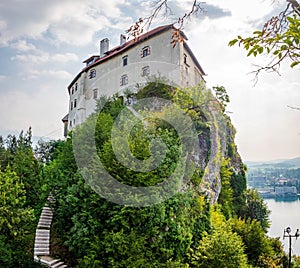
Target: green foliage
{"type": "Point", "coordinates": [20, 199]}
{"type": "Point", "coordinates": [257, 245]}
{"type": "Point", "coordinates": [238, 185]}
{"type": "Point", "coordinates": [156, 89]}
{"type": "Point", "coordinates": [221, 95]}
{"type": "Point", "coordinates": [13, 215]}
{"type": "Point", "coordinates": [183, 231]}
{"type": "Point", "coordinates": [16, 222]}
{"type": "Point", "coordinates": [220, 248]}
{"type": "Point", "coordinates": [256, 209]}
{"type": "Point", "coordinates": [226, 194]}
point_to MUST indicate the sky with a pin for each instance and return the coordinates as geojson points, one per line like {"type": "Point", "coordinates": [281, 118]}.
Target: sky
{"type": "Point", "coordinates": [43, 45]}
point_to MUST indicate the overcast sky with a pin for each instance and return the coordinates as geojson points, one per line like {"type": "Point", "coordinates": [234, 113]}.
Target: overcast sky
{"type": "Point", "coordinates": [43, 44]}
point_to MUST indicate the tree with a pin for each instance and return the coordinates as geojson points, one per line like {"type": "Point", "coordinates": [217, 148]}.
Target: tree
{"type": "Point", "coordinates": [220, 248]}
{"type": "Point", "coordinates": [279, 38]}
{"type": "Point", "coordinates": [16, 222]}
{"type": "Point", "coordinates": [256, 209]}
{"type": "Point", "coordinates": [258, 247]}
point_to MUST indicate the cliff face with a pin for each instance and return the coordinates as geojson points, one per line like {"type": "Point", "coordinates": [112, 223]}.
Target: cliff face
{"type": "Point", "coordinates": [221, 146]}
{"type": "Point", "coordinates": [215, 136]}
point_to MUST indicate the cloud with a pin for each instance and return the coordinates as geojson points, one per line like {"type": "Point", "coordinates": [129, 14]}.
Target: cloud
{"type": "Point", "coordinates": [22, 45]}
{"type": "Point", "coordinates": [215, 12]}
{"type": "Point", "coordinates": [45, 58]}
{"type": "Point", "coordinates": [20, 109]}
{"type": "Point", "coordinates": [59, 74]}
{"type": "Point", "coordinates": [69, 21]}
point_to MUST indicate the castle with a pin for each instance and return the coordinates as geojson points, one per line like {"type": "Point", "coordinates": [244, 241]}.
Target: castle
{"type": "Point", "coordinates": [128, 65]}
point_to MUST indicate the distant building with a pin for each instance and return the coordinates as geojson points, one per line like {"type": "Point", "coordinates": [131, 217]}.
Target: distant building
{"type": "Point", "coordinates": [257, 181]}
{"type": "Point", "coordinates": [285, 191]}
{"type": "Point", "coordinates": [130, 63]}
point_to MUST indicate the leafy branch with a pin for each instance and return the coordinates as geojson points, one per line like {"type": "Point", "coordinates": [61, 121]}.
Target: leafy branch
{"type": "Point", "coordinates": [279, 37]}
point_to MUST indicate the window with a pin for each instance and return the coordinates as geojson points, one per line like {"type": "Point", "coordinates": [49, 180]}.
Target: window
{"type": "Point", "coordinates": [72, 90]}
{"type": "Point", "coordinates": [75, 103]}
{"type": "Point", "coordinates": [145, 51]}
{"type": "Point", "coordinates": [124, 80]}
{"type": "Point", "coordinates": [71, 105]}
{"type": "Point", "coordinates": [95, 94]}
{"type": "Point", "coordinates": [92, 73]}
{"type": "Point", "coordinates": [74, 122]}
{"type": "Point", "coordinates": [70, 123]}
{"type": "Point", "coordinates": [185, 58]}
{"type": "Point", "coordinates": [125, 60]}
{"type": "Point", "coordinates": [76, 87]}
{"type": "Point", "coordinates": [145, 71]}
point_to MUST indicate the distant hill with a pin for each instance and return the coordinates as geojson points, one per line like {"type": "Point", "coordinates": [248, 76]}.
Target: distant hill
{"type": "Point", "coordinates": [275, 164]}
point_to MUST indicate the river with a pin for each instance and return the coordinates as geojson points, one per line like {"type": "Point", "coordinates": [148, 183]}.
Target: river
{"type": "Point", "coordinates": [285, 213]}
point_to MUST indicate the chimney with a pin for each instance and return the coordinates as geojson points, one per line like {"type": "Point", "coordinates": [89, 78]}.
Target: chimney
{"type": "Point", "coordinates": [104, 47]}
{"type": "Point", "coordinates": [122, 39]}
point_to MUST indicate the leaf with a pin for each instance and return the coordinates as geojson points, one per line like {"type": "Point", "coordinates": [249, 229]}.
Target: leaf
{"type": "Point", "coordinates": [258, 33]}
{"type": "Point", "coordinates": [260, 50]}
{"type": "Point", "coordinates": [232, 42]}
{"type": "Point", "coordinates": [251, 51]}
{"type": "Point", "coordinates": [294, 64]}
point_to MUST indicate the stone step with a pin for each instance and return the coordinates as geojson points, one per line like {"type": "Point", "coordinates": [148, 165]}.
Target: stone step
{"type": "Point", "coordinates": [45, 221]}
{"type": "Point", "coordinates": [41, 245]}
{"type": "Point", "coordinates": [46, 250]}
{"type": "Point", "coordinates": [47, 209]}
{"type": "Point", "coordinates": [42, 231]}
{"type": "Point", "coordinates": [44, 224]}
{"type": "Point", "coordinates": [47, 213]}
{"type": "Point", "coordinates": [42, 252]}
{"type": "Point", "coordinates": [57, 265]}
{"type": "Point", "coordinates": [42, 240]}
{"type": "Point", "coordinates": [46, 216]}
{"type": "Point", "coordinates": [48, 261]}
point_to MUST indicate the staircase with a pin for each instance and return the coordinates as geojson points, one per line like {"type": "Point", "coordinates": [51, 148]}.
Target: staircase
{"type": "Point", "coordinates": [42, 238]}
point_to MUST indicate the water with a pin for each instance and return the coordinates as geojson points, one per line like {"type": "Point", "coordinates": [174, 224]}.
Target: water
{"type": "Point", "coordinates": [285, 213]}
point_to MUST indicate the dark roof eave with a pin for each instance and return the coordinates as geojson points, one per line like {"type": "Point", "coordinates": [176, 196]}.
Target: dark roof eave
{"type": "Point", "coordinates": [194, 58]}
{"type": "Point", "coordinates": [65, 119]}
